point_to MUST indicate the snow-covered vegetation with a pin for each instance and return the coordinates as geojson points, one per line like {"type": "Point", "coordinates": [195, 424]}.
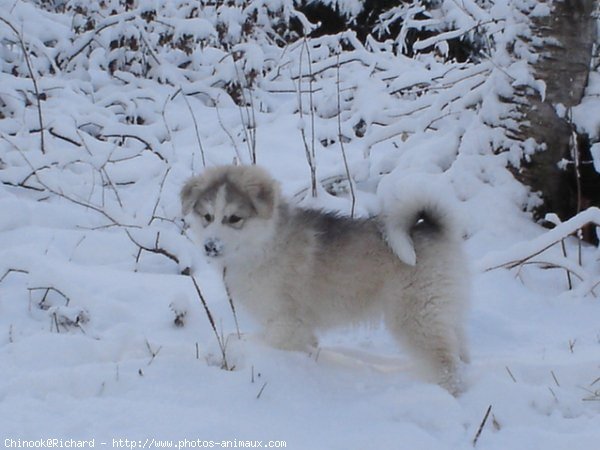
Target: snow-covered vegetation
{"type": "Point", "coordinates": [106, 107]}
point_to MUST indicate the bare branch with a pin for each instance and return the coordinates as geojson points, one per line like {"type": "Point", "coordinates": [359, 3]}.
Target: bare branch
{"type": "Point", "coordinates": [522, 252]}
{"type": "Point", "coordinates": [71, 199]}
{"type": "Point", "coordinates": [47, 290]}
{"type": "Point", "coordinates": [33, 80]}
{"type": "Point", "coordinates": [309, 152]}
{"type": "Point", "coordinates": [341, 140]}
{"type": "Point", "coordinates": [483, 422]}
{"type": "Point", "coordinates": [9, 271]}
{"type": "Point", "coordinates": [196, 129]}
{"type": "Point", "coordinates": [211, 320]}
{"type": "Point", "coordinates": [231, 305]}
{"type": "Point", "coordinates": [138, 138]}
{"type": "Point", "coordinates": [64, 138]}
{"type": "Point", "coordinates": [160, 190]}
{"type": "Point", "coordinates": [156, 249]}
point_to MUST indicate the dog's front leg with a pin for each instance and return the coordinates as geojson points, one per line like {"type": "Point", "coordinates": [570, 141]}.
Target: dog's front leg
{"type": "Point", "coordinates": [289, 333]}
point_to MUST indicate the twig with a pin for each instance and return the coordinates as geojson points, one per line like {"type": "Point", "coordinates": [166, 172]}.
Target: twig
{"type": "Point", "coordinates": [49, 289]}
{"type": "Point", "coordinates": [552, 265]}
{"type": "Point", "coordinates": [249, 124]}
{"type": "Point", "coordinates": [64, 138]}
{"type": "Point", "coordinates": [312, 115]}
{"type": "Point", "coordinates": [594, 394]}
{"type": "Point", "coordinates": [33, 80]}
{"type": "Point", "coordinates": [231, 305]}
{"type": "Point", "coordinates": [196, 129]}
{"type": "Point", "coordinates": [106, 180]}
{"type": "Point", "coordinates": [574, 147]}
{"type": "Point", "coordinates": [317, 354]}
{"type": "Point", "coordinates": [564, 252]}
{"type": "Point", "coordinates": [332, 62]}
{"type": "Point", "coordinates": [511, 375]}
{"type": "Point", "coordinates": [594, 286]}
{"type": "Point", "coordinates": [261, 390]}
{"type": "Point", "coordinates": [524, 252]}
{"type": "Point", "coordinates": [153, 352]}
{"type": "Point", "coordinates": [224, 364]}
{"type": "Point", "coordinates": [485, 418]}
{"type": "Point", "coordinates": [341, 140]}
{"type": "Point", "coordinates": [9, 271]}
{"type": "Point", "coordinates": [555, 220]}
{"type": "Point", "coordinates": [227, 132]}
{"type": "Point", "coordinates": [72, 200]}
{"type": "Point", "coordinates": [309, 151]}
{"type": "Point", "coordinates": [160, 189]}
{"type": "Point", "coordinates": [163, 114]}
{"type": "Point", "coordinates": [147, 145]}
{"type": "Point", "coordinates": [156, 249]}
{"type": "Point", "coordinates": [54, 321]}
{"type": "Point", "coordinates": [150, 49]}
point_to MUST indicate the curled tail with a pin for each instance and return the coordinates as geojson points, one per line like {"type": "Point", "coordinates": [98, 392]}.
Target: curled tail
{"type": "Point", "coordinates": [421, 211]}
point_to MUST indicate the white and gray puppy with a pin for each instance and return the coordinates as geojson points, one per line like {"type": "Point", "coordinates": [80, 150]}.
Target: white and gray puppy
{"type": "Point", "coordinates": [298, 271]}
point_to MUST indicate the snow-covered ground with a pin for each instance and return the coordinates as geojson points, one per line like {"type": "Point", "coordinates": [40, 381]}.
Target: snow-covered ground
{"type": "Point", "coordinates": [92, 255]}
{"type": "Point", "coordinates": [124, 370]}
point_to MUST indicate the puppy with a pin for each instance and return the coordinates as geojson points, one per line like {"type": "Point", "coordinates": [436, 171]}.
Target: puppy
{"type": "Point", "coordinates": [298, 271]}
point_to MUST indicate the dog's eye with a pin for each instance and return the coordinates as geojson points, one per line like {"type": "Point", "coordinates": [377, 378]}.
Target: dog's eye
{"type": "Point", "coordinates": [208, 217]}
{"type": "Point", "coordinates": [234, 219]}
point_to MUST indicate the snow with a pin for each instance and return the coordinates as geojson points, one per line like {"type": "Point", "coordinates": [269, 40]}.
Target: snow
{"type": "Point", "coordinates": [102, 333]}
{"type": "Point", "coordinates": [595, 152]}
{"type": "Point", "coordinates": [585, 115]}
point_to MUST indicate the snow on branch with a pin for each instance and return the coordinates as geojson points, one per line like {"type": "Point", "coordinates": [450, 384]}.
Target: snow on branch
{"type": "Point", "coordinates": [531, 252]}
{"type": "Point", "coordinates": [522, 252]}
{"type": "Point", "coordinates": [116, 130]}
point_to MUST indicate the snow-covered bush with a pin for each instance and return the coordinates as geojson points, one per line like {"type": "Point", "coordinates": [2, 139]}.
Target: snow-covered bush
{"type": "Point", "coordinates": [107, 106]}
{"type": "Point", "coordinates": [142, 38]}
{"type": "Point", "coordinates": [120, 95]}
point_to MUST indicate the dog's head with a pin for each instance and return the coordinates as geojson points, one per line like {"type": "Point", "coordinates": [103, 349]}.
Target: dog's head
{"type": "Point", "coordinates": [230, 207]}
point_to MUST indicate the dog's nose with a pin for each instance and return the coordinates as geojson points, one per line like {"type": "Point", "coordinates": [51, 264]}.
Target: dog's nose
{"type": "Point", "coordinates": [213, 247]}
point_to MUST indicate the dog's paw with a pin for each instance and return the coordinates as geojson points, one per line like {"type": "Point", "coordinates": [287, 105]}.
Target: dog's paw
{"type": "Point", "coordinates": [290, 336]}
{"type": "Point", "coordinates": [453, 382]}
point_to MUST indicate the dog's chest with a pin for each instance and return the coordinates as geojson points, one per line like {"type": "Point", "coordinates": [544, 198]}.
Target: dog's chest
{"type": "Point", "coordinates": [255, 287]}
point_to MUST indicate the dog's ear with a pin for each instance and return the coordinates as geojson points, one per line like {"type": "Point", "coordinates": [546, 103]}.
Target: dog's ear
{"type": "Point", "coordinates": [190, 193]}
{"type": "Point", "coordinates": [264, 194]}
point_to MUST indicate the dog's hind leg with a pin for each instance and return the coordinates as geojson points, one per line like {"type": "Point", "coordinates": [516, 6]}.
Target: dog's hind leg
{"type": "Point", "coordinates": [465, 354]}
{"type": "Point", "coordinates": [428, 331]}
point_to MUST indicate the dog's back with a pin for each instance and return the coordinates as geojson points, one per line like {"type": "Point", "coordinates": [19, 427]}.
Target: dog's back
{"type": "Point", "coordinates": [338, 265]}
{"type": "Point", "coordinates": [346, 269]}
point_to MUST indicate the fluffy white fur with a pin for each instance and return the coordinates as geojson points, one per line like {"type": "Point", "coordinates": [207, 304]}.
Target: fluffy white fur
{"type": "Point", "coordinates": [300, 271]}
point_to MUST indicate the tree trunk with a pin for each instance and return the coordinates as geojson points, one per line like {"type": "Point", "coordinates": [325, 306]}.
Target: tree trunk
{"type": "Point", "coordinates": [564, 65]}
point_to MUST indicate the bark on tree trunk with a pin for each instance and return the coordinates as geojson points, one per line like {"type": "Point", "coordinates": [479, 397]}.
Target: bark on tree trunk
{"type": "Point", "coordinates": [564, 65]}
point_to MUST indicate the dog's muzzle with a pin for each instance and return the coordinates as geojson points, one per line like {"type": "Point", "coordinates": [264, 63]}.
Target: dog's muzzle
{"type": "Point", "coordinates": [213, 247]}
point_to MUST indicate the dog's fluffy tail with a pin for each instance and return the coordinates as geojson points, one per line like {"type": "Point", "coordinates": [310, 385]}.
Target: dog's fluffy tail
{"type": "Point", "coordinates": [426, 211]}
